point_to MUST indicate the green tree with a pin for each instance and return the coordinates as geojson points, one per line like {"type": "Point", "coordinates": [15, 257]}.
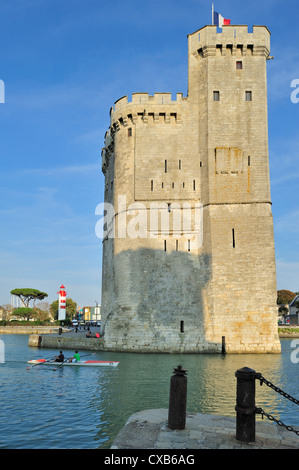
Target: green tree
{"type": "Point", "coordinates": [28, 294]}
{"type": "Point", "coordinates": [70, 308]}
{"type": "Point", "coordinates": [42, 310]}
{"type": "Point", "coordinates": [24, 312]}
{"type": "Point", "coordinates": [285, 296]}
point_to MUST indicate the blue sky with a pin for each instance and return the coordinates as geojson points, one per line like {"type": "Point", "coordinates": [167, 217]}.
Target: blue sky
{"type": "Point", "coordinates": [64, 64]}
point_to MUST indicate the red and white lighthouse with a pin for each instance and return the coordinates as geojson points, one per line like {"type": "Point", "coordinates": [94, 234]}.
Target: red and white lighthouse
{"type": "Point", "coordinates": [62, 303]}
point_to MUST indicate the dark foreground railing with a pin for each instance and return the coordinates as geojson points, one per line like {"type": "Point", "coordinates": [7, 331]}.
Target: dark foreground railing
{"type": "Point", "coordinates": [246, 409]}
{"type": "Point", "coordinates": [177, 399]}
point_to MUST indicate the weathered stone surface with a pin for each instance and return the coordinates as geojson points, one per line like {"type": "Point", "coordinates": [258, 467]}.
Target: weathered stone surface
{"type": "Point", "coordinates": [148, 430]}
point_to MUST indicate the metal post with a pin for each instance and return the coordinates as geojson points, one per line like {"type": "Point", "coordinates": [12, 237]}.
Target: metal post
{"type": "Point", "coordinates": [178, 399]}
{"type": "Point", "coordinates": [223, 350]}
{"type": "Point", "coordinates": [245, 407]}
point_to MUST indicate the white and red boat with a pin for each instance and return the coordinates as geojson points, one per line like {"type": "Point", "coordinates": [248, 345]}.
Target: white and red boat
{"type": "Point", "coordinates": [79, 363]}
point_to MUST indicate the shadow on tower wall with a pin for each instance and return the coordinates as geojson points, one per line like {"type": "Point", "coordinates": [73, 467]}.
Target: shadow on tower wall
{"type": "Point", "coordinates": [156, 301]}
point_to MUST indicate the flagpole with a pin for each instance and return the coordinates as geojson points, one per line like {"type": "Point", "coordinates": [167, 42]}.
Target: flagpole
{"type": "Point", "coordinates": [212, 13]}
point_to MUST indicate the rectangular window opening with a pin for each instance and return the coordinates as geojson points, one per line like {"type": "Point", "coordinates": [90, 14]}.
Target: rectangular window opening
{"type": "Point", "coordinates": [193, 185]}
{"type": "Point", "coordinates": [182, 326]}
{"type": "Point", "coordinates": [129, 132]}
{"type": "Point", "coordinates": [233, 234]}
{"type": "Point", "coordinates": [239, 65]}
{"type": "Point", "coordinates": [180, 164]}
{"type": "Point", "coordinates": [188, 245]}
{"type": "Point", "coordinates": [248, 160]}
{"type": "Point", "coordinates": [216, 95]}
{"type": "Point", "coordinates": [250, 49]}
{"type": "Point", "coordinates": [152, 185]}
{"type": "Point", "coordinates": [176, 245]}
{"type": "Point", "coordinates": [165, 166]}
{"type": "Point", "coordinates": [248, 96]}
{"type": "Point", "coordinates": [164, 245]}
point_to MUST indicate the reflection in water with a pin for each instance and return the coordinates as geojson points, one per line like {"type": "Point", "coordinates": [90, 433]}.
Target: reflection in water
{"type": "Point", "coordinates": [86, 408]}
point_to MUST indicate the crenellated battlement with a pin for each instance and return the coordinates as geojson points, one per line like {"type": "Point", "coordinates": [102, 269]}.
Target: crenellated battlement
{"type": "Point", "coordinates": [146, 98]}
{"type": "Point", "coordinates": [146, 107]}
{"type": "Point", "coordinates": [232, 40]}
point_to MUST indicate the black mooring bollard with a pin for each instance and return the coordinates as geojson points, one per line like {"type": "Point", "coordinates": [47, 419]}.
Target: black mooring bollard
{"type": "Point", "coordinates": [223, 349]}
{"type": "Point", "coordinates": [245, 407]}
{"type": "Point", "coordinates": [60, 331]}
{"type": "Point", "coordinates": [177, 399]}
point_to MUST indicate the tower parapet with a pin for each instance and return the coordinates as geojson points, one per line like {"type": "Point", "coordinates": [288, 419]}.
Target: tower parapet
{"type": "Point", "coordinates": [234, 39]}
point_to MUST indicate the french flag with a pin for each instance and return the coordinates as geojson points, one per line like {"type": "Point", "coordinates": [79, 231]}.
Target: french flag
{"type": "Point", "coordinates": [218, 20]}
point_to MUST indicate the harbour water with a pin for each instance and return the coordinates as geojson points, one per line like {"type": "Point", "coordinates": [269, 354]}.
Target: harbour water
{"type": "Point", "coordinates": [84, 408]}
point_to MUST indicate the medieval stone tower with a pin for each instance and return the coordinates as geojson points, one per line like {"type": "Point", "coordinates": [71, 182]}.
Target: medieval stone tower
{"type": "Point", "coordinates": [188, 251]}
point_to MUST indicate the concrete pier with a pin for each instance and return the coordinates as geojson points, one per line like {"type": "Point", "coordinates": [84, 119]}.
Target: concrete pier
{"type": "Point", "coordinates": [69, 339]}
{"type": "Point", "coordinates": [148, 430]}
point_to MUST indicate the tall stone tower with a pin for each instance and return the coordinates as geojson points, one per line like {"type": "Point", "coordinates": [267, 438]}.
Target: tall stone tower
{"type": "Point", "coordinates": [188, 251]}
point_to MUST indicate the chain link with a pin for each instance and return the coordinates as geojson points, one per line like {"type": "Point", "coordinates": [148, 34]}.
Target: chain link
{"type": "Point", "coordinates": [278, 390]}
{"type": "Point", "coordinates": [277, 421]}
{"type": "Point", "coordinates": [284, 394]}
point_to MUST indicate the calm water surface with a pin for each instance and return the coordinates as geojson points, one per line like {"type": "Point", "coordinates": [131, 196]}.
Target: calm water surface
{"type": "Point", "coordinates": [84, 408]}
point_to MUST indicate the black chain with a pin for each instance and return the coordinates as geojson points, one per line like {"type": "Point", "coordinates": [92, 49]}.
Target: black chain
{"type": "Point", "coordinates": [284, 394]}
{"type": "Point", "coordinates": [278, 390]}
{"type": "Point", "coordinates": [277, 421]}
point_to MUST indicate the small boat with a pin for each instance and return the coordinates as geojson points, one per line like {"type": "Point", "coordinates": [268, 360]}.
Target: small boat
{"type": "Point", "coordinates": [80, 363]}
{"type": "Point", "coordinates": [36, 361]}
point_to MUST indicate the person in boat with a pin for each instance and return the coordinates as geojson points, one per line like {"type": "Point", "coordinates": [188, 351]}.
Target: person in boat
{"type": "Point", "coordinates": [60, 358]}
{"type": "Point", "coordinates": [75, 358]}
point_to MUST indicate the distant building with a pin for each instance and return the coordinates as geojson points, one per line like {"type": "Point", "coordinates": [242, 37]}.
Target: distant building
{"type": "Point", "coordinates": [91, 313]}
{"type": "Point", "coordinates": [293, 311]}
